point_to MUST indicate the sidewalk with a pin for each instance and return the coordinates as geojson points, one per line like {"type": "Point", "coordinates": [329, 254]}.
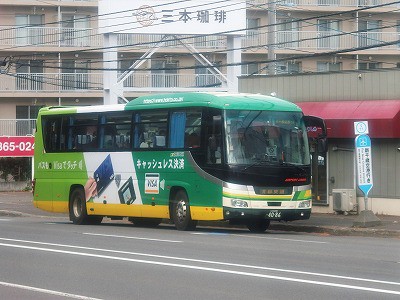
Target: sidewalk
{"type": "Point", "coordinates": [19, 204]}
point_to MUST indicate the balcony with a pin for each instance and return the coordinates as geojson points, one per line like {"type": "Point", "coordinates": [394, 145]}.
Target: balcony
{"type": "Point", "coordinates": [90, 84]}
{"type": "Point", "coordinates": [321, 3]}
{"type": "Point", "coordinates": [294, 41]}
{"type": "Point", "coordinates": [52, 3]}
{"type": "Point", "coordinates": [147, 81]}
{"type": "Point", "coordinates": [50, 37]}
{"type": "Point", "coordinates": [51, 82]}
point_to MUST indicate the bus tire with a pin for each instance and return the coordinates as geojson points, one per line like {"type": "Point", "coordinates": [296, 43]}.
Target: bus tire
{"type": "Point", "coordinates": [145, 222]}
{"type": "Point", "coordinates": [257, 225]}
{"type": "Point", "coordinates": [77, 209]}
{"type": "Point", "coordinates": [181, 212]}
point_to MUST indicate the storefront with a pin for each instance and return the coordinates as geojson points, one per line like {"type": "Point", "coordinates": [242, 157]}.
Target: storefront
{"type": "Point", "coordinates": [335, 169]}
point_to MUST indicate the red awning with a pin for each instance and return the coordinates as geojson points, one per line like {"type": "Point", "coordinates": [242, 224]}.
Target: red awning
{"type": "Point", "coordinates": [383, 117]}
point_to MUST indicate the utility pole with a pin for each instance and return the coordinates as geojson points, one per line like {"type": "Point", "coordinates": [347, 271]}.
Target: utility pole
{"type": "Point", "coordinates": [271, 38]}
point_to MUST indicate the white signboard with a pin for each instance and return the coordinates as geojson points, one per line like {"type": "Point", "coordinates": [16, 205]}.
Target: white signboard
{"type": "Point", "coordinates": [172, 17]}
{"type": "Point", "coordinates": [361, 127]}
{"type": "Point", "coordinates": [152, 183]}
{"type": "Point", "coordinates": [364, 163]}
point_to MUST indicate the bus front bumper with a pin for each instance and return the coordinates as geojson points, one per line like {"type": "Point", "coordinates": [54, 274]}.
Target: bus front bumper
{"type": "Point", "coordinates": [268, 214]}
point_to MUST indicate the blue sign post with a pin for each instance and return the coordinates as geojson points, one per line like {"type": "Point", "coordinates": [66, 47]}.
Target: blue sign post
{"type": "Point", "coordinates": [364, 164]}
{"type": "Point", "coordinates": [364, 173]}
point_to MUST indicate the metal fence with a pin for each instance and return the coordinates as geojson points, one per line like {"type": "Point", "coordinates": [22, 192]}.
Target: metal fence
{"type": "Point", "coordinates": [17, 127]}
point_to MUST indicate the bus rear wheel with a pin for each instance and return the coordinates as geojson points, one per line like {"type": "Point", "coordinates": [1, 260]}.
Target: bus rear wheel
{"type": "Point", "coordinates": [257, 225]}
{"type": "Point", "coordinates": [181, 212]}
{"type": "Point", "coordinates": [77, 209]}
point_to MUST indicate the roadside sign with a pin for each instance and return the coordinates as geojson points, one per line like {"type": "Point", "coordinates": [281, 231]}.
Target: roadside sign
{"type": "Point", "coordinates": [361, 127]}
{"type": "Point", "coordinates": [16, 146]}
{"type": "Point", "coordinates": [364, 163]}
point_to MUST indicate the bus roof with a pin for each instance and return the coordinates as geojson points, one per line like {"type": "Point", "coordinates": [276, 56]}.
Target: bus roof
{"type": "Point", "coordinates": [194, 99]}
{"type": "Point", "coordinates": [216, 100]}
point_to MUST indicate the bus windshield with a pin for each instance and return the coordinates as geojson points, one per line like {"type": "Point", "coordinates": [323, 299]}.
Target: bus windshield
{"type": "Point", "coordinates": [266, 137]}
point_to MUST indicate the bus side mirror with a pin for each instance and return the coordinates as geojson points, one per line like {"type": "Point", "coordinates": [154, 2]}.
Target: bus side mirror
{"type": "Point", "coordinates": [315, 126]}
{"type": "Point", "coordinates": [322, 145]}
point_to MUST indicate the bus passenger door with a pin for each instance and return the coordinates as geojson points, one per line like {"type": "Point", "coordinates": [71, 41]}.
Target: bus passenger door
{"type": "Point", "coordinates": [317, 134]}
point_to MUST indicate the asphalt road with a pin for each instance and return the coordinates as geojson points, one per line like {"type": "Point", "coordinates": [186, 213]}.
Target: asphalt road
{"type": "Point", "coordinates": [46, 257]}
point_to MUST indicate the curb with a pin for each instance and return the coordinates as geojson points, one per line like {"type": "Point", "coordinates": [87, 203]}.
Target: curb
{"type": "Point", "coordinates": [338, 231]}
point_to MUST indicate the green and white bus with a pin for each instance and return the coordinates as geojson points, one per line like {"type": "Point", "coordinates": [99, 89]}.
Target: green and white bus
{"type": "Point", "coordinates": [182, 156]}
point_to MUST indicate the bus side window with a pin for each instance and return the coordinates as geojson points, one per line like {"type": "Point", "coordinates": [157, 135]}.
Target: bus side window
{"type": "Point", "coordinates": [214, 139]}
{"type": "Point", "coordinates": [54, 133]}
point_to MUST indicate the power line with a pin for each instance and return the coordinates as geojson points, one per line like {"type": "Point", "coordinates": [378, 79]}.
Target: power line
{"type": "Point", "coordinates": [326, 53]}
{"type": "Point", "coordinates": [225, 32]}
{"type": "Point", "coordinates": [328, 38]}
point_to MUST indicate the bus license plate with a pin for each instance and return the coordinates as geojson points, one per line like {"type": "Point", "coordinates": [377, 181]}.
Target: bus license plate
{"type": "Point", "coordinates": [274, 214]}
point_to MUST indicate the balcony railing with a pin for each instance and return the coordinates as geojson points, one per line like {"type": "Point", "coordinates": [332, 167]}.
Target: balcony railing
{"type": "Point", "coordinates": [63, 37]}
{"type": "Point", "coordinates": [142, 41]}
{"type": "Point", "coordinates": [54, 2]}
{"type": "Point", "coordinates": [38, 36]}
{"type": "Point", "coordinates": [20, 127]}
{"type": "Point", "coordinates": [51, 82]}
{"type": "Point", "coordinates": [326, 3]}
{"type": "Point", "coordinates": [49, 37]}
{"type": "Point", "coordinates": [148, 80]}
{"type": "Point", "coordinates": [324, 40]}
{"type": "Point", "coordinates": [76, 82]}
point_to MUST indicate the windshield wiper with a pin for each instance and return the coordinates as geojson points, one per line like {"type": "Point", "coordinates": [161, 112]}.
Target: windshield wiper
{"type": "Point", "coordinates": [301, 168]}
{"type": "Point", "coordinates": [260, 162]}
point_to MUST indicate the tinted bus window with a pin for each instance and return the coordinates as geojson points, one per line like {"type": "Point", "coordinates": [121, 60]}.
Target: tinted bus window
{"type": "Point", "coordinates": [150, 130]}
{"type": "Point", "coordinates": [115, 132]}
{"type": "Point", "coordinates": [55, 133]}
{"type": "Point", "coordinates": [83, 132]}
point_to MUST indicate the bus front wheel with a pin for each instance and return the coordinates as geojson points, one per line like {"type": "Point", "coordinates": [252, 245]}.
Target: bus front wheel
{"type": "Point", "coordinates": [77, 209]}
{"type": "Point", "coordinates": [257, 225]}
{"type": "Point", "coordinates": [181, 212]}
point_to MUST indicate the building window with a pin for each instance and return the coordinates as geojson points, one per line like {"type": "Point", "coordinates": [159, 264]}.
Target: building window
{"type": "Point", "coordinates": [368, 65]}
{"type": "Point", "coordinates": [74, 30]}
{"type": "Point", "coordinates": [250, 69]}
{"type": "Point", "coordinates": [164, 73]}
{"type": "Point", "coordinates": [204, 77]}
{"type": "Point", "coordinates": [27, 111]}
{"type": "Point", "coordinates": [327, 29]}
{"type": "Point", "coordinates": [29, 29]}
{"type": "Point", "coordinates": [369, 33]}
{"type": "Point", "coordinates": [26, 119]}
{"type": "Point", "coordinates": [288, 67]}
{"type": "Point", "coordinates": [252, 28]}
{"type": "Point", "coordinates": [287, 33]}
{"type": "Point", "coordinates": [323, 66]}
{"type": "Point", "coordinates": [125, 65]}
{"type": "Point", "coordinates": [74, 74]}
{"type": "Point", "coordinates": [29, 75]}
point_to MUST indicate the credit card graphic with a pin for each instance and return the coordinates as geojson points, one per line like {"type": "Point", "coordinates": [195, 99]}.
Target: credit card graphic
{"type": "Point", "coordinates": [127, 192]}
{"type": "Point", "coordinates": [104, 175]}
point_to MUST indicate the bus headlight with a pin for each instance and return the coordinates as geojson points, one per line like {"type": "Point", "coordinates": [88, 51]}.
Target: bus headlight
{"type": "Point", "coordinates": [239, 203]}
{"type": "Point", "coordinates": [305, 204]}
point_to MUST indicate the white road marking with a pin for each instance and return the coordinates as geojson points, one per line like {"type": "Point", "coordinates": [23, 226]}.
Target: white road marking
{"type": "Point", "coordinates": [45, 291]}
{"type": "Point", "coordinates": [260, 237]}
{"type": "Point", "coordinates": [131, 237]}
{"type": "Point", "coordinates": [315, 282]}
{"type": "Point", "coordinates": [5, 220]}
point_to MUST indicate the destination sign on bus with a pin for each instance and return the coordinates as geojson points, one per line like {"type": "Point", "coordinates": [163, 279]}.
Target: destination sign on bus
{"type": "Point", "coordinates": [16, 146]}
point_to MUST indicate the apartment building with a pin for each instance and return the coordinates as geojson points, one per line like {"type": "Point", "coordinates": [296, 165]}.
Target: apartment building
{"type": "Point", "coordinates": [51, 51]}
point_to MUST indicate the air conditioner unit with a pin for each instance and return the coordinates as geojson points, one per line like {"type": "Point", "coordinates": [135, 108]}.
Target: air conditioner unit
{"type": "Point", "coordinates": [345, 200]}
